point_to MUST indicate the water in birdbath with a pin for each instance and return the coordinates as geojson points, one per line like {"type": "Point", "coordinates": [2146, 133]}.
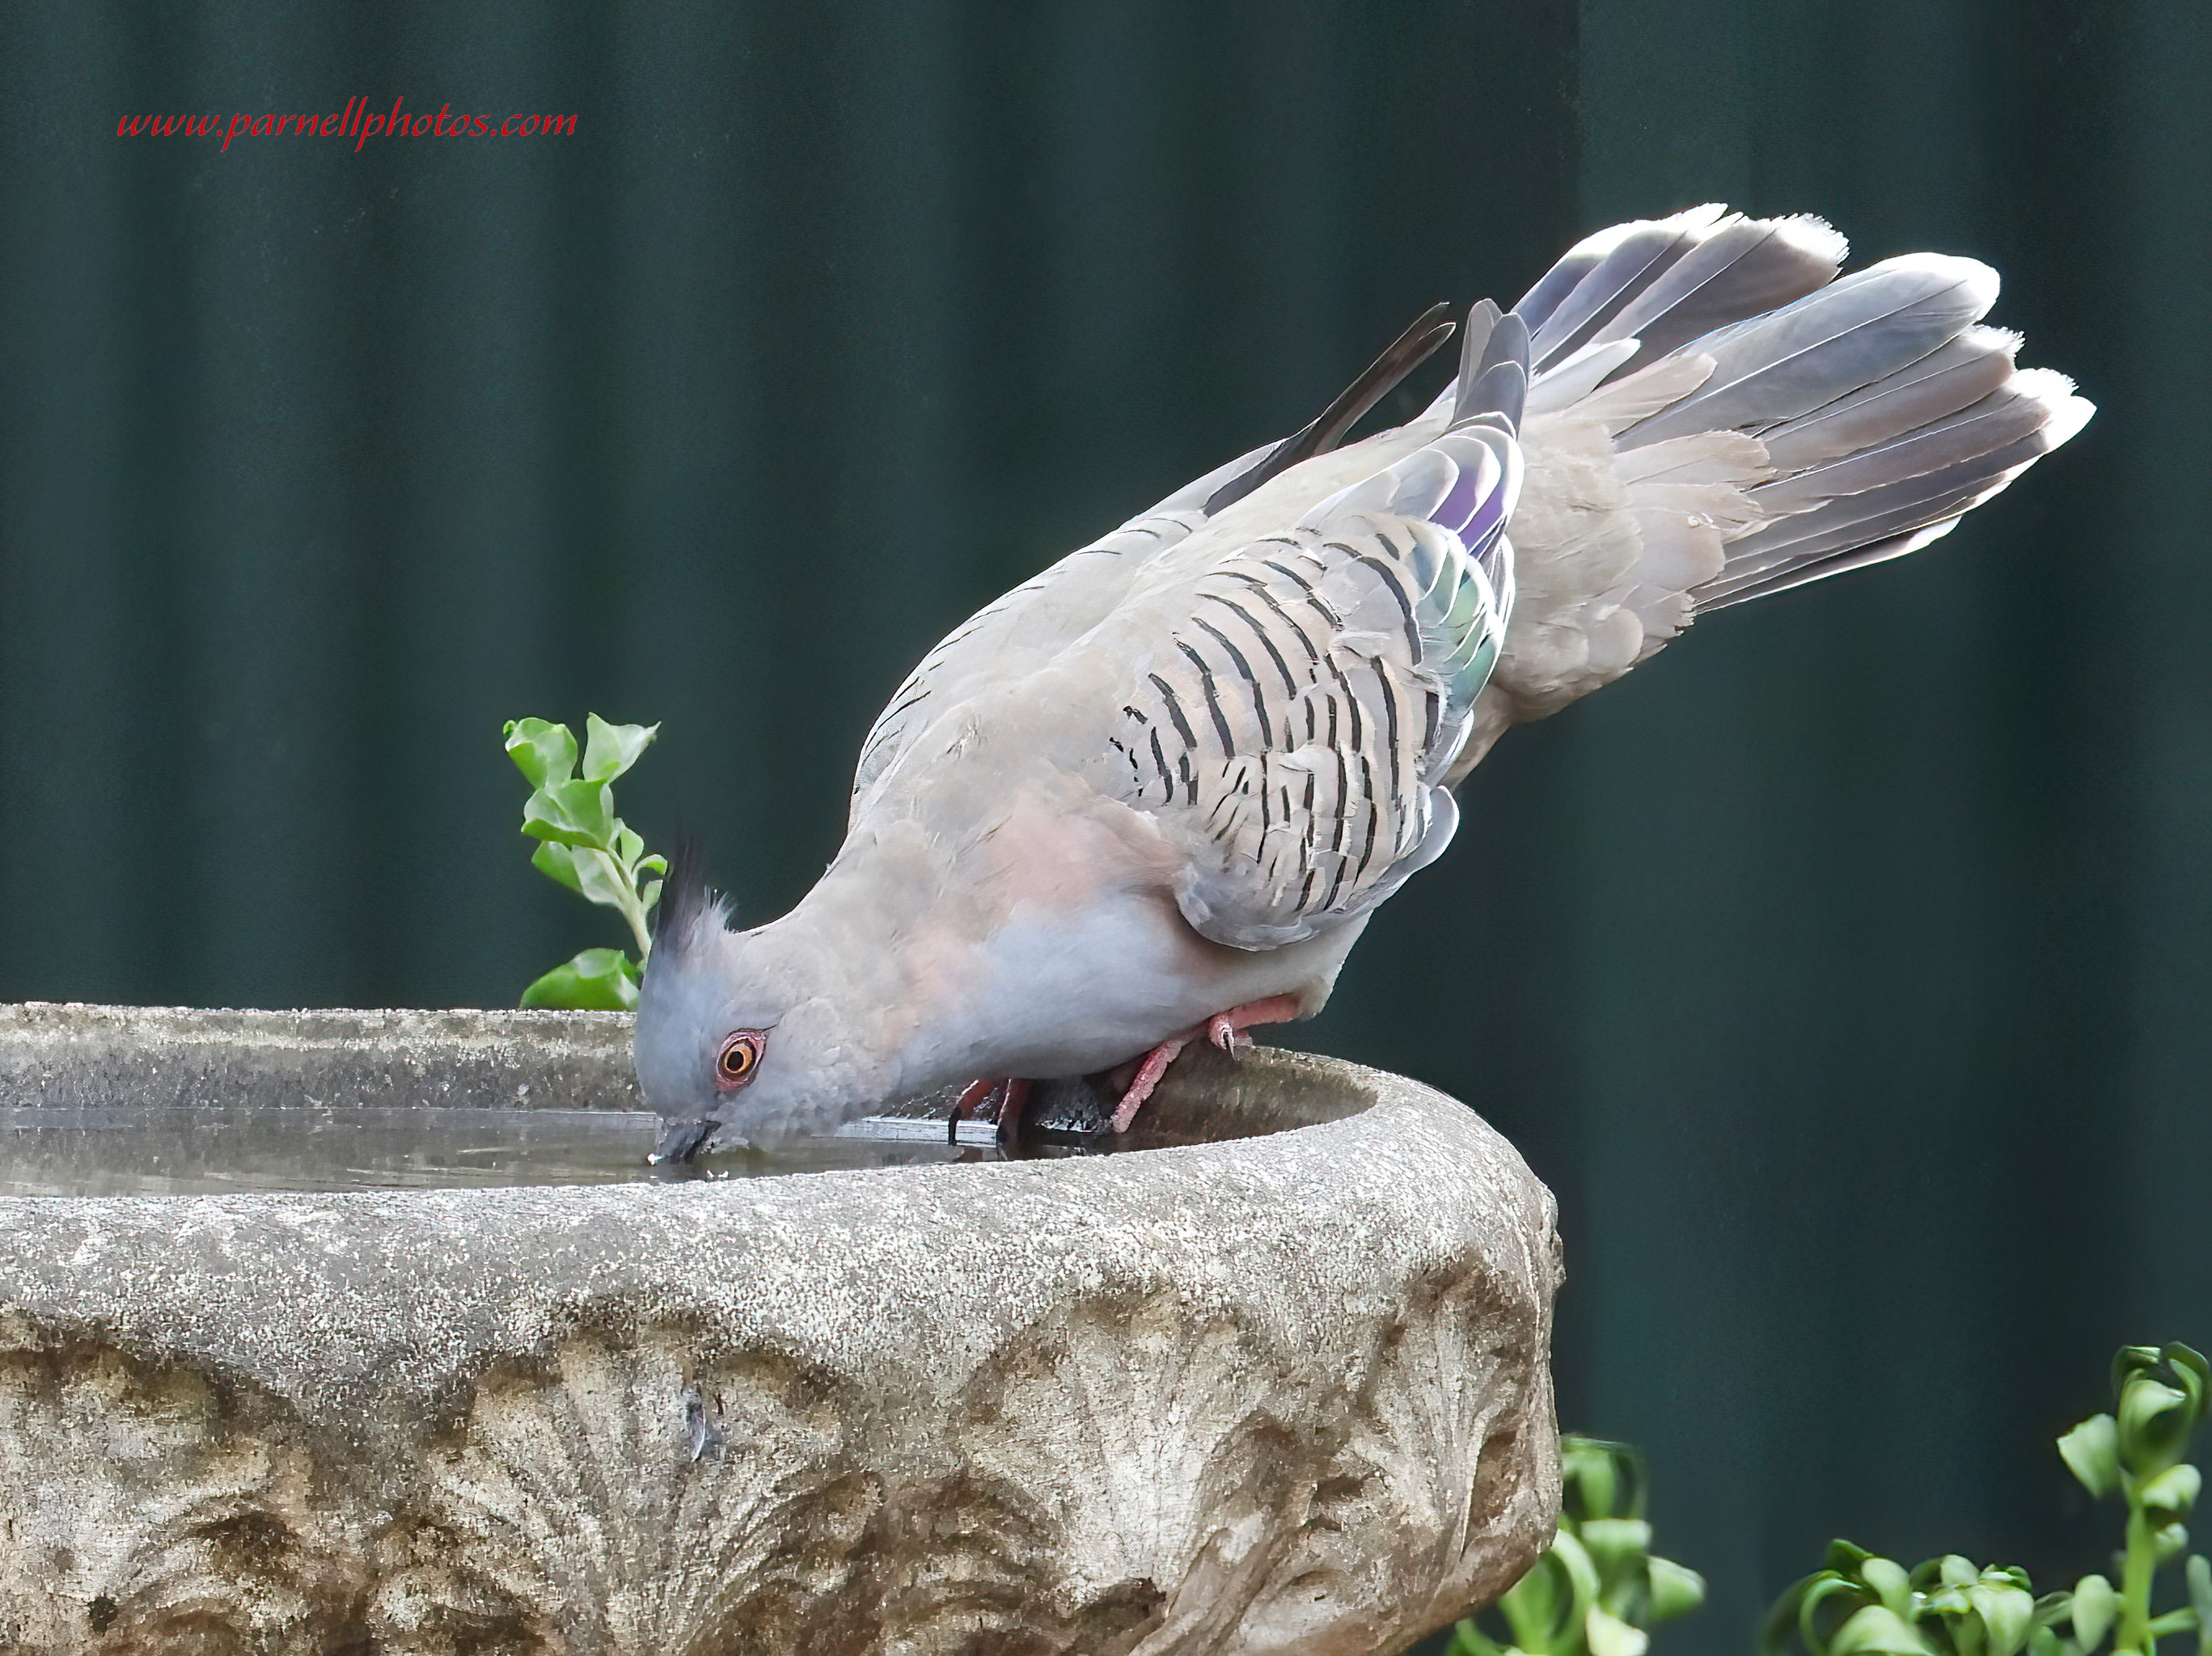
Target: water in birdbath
{"type": "Point", "coordinates": [145, 1151]}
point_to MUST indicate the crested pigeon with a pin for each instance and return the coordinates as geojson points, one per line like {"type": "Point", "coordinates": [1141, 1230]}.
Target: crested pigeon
{"type": "Point", "coordinates": [1153, 794]}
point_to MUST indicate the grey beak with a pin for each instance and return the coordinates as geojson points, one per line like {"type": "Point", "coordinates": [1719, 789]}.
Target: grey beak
{"type": "Point", "coordinates": [682, 1140]}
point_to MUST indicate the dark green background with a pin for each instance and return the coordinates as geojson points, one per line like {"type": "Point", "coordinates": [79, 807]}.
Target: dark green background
{"type": "Point", "coordinates": [1844, 971]}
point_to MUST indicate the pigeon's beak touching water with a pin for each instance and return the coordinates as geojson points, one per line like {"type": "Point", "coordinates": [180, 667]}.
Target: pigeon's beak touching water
{"type": "Point", "coordinates": [680, 1141]}
{"type": "Point", "coordinates": [751, 1034]}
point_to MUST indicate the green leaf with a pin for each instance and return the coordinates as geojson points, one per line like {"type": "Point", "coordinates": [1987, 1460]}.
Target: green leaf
{"type": "Point", "coordinates": [2096, 1607]}
{"type": "Point", "coordinates": [2092, 1452]}
{"type": "Point", "coordinates": [2194, 1374]}
{"type": "Point", "coordinates": [1613, 1475]}
{"type": "Point", "coordinates": [598, 879]}
{"type": "Point", "coordinates": [629, 842]}
{"type": "Point", "coordinates": [1783, 1620]}
{"type": "Point", "coordinates": [610, 749]}
{"type": "Point", "coordinates": [1826, 1586]}
{"type": "Point", "coordinates": [2053, 1607]}
{"type": "Point", "coordinates": [1676, 1590]}
{"type": "Point", "coordinates": [577, 813]}
{"type": "Point", "coordinates": [597, 980]}
{"type": "Point", "coordinates": [1889, 1580]}
{"type": "Point", "coordinates": [2173, 1491]}
{"type": "Point", "coordinates": [2155, 1422]}
{"type": "Point", "coordinates": [2007, 1614]}
{"type": "Point", "coordinates": [2198, 1574]}
{"type": "Point", "coordinates": [543, 752]}
{"type": "Point", "coordinates": [2129, 1362]}
{"type": "Point", "coordinates": [1608, 1636]}
{"type": "Point", "coordinates": [557, 862]}
{"type": "Point", "coordinates": [1949, 1599]}
{"type": "Point", "coordinates": [1469, 1640]}
{"type": "Point", "coordinates": [1956, 1569]}
{"type": "Point", "coordinates": [1878, 1630]}
{"type": "Point", "coordinates": [1546, 1607]}
{"type": "Point", "coordinates": [1531, 1606]}
{"type": "Point", "coordinates": [1616, 1544]}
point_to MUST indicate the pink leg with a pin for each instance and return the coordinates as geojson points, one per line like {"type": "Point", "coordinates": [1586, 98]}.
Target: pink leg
{"type": "Point", "coordinates": [1225, 1029]}
{"type": "Point", "coordinates": [1147, 1077]}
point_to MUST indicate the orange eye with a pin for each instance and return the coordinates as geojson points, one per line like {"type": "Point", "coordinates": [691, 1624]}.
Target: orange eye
{"type": "Point", "coordinates": [739, 1057]}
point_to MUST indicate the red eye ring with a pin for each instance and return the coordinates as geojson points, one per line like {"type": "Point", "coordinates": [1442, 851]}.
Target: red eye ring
{"type": "Point", "coordinates": [735, 1065]}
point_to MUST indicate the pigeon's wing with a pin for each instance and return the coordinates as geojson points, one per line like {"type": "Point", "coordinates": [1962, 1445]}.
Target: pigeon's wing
{"type": "Point", "coordinates": [1017, 633]}
{"type": "Point", "coordinates": [1289, 714]}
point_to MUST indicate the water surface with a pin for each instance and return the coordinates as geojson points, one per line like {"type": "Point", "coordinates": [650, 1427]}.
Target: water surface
{"type": "Point", "coordinates": [60, 1151]}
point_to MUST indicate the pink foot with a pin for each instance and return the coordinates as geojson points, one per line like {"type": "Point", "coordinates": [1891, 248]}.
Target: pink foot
{"type": "Point", "coordinates": [1225, 1029]}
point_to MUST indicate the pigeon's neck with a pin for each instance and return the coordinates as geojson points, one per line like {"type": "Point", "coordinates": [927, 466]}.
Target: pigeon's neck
{"type": "Point", "coordinates": [858, 946]}
{"type": "Point", "coordinates": [891, 934]}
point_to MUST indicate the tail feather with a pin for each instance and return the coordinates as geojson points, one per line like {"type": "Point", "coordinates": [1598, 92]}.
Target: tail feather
{"type": "Point", "coordinates": [1953, 376]}
{"type": "Point", "coordinates": [2004, 417]}
{"type": "Point", "coordinates": [1745, 267]}
{"type": "Point", "coordinates": [1842, 563]}
{"type": "Point", "coordinates": [1891, 508]}
{"type": "Point", "coordinates": [1666, 282]}
{"type": "Point", "coordinates": [1817, 521]}
{"type": "Point", "coordinates": [1622, 262]}
{"type": "Point", "coordinates": [1692, 447]}
{"type": "Point", "coordinates": [1856, 330]}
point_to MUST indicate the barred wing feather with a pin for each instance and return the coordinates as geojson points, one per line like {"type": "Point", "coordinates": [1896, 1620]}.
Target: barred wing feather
{"type": "Point", "coordinates": [1291, 713]}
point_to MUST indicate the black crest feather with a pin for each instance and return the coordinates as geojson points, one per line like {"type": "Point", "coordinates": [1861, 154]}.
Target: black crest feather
{"type": "Point", "coordinates": [686, 907]}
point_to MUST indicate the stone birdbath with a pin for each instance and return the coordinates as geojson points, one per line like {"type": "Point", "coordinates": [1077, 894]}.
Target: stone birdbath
{"type": "Point", "coordinates": [1282, 1387]}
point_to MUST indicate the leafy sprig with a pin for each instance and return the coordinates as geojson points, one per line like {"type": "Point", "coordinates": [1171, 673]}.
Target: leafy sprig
{"type": "Point", "coordinates": [1599, 1590]}
{"type": "Point", "coordinates": [1862, 1604]}
{"type": "Point", "coordinates": [589, 849]}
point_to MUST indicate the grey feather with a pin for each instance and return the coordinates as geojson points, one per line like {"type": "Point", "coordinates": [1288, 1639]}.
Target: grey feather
{"type": "Point", "coordinates": [1854, 331]}
{"type": "Point", "coordinates": [1499, 384]}
{"type": "Point", "coordinates": [1874, 514]}
{"type": "Point", "coordinates": [1743, 268]}
{"type": "Point", "coordinates": [2004, 417]}
{"type": "Point", "coordinates": [1475, 340]}
{"type": "Point", "coordinates": [1631, 264]}
{"type": "Point", "coordinates": [1843, 563]}
{"type": "Point", "coordinates": [1842, 526]}
{"type": "Point", "coordinates": [1957, 373]}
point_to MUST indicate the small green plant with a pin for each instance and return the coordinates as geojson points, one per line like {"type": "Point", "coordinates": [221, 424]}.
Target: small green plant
{"type": "Point", "coordinates": [1599, 1591]}
{"type": "Point", "coordinates": [589, 849]}
{"type": "Point", "coordinates": [1862, 1604]}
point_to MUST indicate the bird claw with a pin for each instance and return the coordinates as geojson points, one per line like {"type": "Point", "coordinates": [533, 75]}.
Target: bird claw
{"type": "Point", "coordinates": [1226, 1035]}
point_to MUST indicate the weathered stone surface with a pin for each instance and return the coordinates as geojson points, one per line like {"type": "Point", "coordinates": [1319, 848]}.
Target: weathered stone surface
{"type": "Point", "coordinates": [1284, 1393]}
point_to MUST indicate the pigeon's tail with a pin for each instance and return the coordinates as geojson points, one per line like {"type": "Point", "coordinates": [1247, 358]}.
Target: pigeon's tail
{"type": "Point", "coordinates": [1885, 410]}
{"type": "Point", "coordinates": [1894, 460]}
{"type": "Point", "coordinates": [1767, 423]}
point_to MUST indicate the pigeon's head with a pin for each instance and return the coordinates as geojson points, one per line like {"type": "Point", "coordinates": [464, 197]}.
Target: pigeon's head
{"type": "Point", "coordinates": [735, 1028]}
